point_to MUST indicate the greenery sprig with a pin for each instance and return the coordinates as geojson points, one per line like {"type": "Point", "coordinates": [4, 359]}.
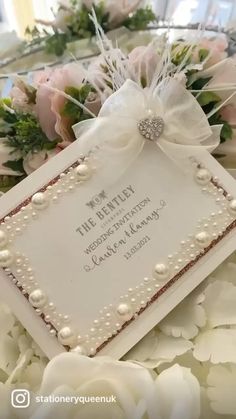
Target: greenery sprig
{"type": "Point", "coordinates": [207, 99]}
{"type": "Point", "coordinates": [23, 134]}
{"type": "Point", "coordinates": [70, 109]}
{"type": "Point", "coordinates": [80, 26]}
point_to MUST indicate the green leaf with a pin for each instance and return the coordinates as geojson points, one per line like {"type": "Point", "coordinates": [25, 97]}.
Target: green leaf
{"type": "Point", "coordinates": [203, 54]}
{"type": "Point", "coordinates": [31, 93]}
{"type": "Point", "coordinates": [73, 111]}
{"type": "Point", "coordinates": [80, 25]}
{"type": "Point", "coordinates": [199, 83]}
{"type": "Point", "coordinates": [50, 145]}
{"type": "Point", "coordinates": [56, 44]}
{"type": "Point", "coordinates": [16, 165]}
{"type": "Point", "coordinates": [70, 109]}
{"type": "Point", "coordinates": [208, 97]}
{"type": "Point", "coordinates": [5, 114]}
{"type": "Point", "coordinates": [140, 19]}
{"type": "Point", "coordinates": [84, 92]}
{"type": "Point", "coordinates": [226, 132]}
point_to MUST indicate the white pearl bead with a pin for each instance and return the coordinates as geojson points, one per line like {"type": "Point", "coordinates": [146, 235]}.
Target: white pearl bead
{"type": "Point", "coordinates": [38, 311]}
{"type": "Point", "coordinates": [203, 239]}
{"type": "Point", "coordinates": [80, 350]}
{"type": "Point", "coordinates": [66, 336]}
{"type": "Point", "coordinates": [18, 261]}
{"type": "Point", "coordinates": [39, 201]}
{"type": "Point", "coordinates": [66, 318]}
{"type": "Point", "coordinates": [51, 306]}
{"type": "Point", "coordinates": [124, 310]}
{"type": "Point", "coordinates": [3, 239]}
{"type": "Point", "coordinates": [202, 176]}
{"type": "Point", "coordinates": [83, 171]}
{"type": "Point", "coordinates": [47, 318]}
{"type": "Point", "coordinates": [161, 271]}
{"type": "Point", "coordinates": [232, 207]}
{"type": "Point", "coordinates": [37, 298]}
{"type": "Point", "coordinates": [6, 258]}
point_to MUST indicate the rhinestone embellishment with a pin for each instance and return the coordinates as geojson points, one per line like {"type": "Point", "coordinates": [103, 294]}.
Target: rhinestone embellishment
{"type": "Point", "coordinates": [151, 128]}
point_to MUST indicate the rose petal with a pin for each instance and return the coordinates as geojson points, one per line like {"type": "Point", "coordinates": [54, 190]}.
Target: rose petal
{"type": "Point", "coordinates": [217, 345]}
{"type": "Point", "coordinates": [185, 319]}
{"type": "Point", "coordinates": [219, 303]}
{"type": "Point", "coordinates": [221, 389]}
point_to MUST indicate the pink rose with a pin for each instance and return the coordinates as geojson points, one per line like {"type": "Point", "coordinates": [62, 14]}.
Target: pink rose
{"type": "Point", "coordinates": [223, 75]}
{"type": "Point", "coordinates": [217, 49]}
{"type": "Point", "coordinates": [43, 104]}
{"type": "Point", "coordinates": [49, 104]}
{"type": "Point", "coordinates": [43, 76]}
{"type": "Point", "coordinates": [223, 80]}
{"type": "Point", "coordinates": [143, 61]}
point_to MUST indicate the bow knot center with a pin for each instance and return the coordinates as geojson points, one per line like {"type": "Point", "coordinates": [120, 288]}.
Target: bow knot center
{"type": "Point", "coordinates": [151, 128]}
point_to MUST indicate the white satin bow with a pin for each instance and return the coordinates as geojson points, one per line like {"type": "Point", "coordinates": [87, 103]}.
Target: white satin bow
{"type": "Point", "coordinates": [114, 137]}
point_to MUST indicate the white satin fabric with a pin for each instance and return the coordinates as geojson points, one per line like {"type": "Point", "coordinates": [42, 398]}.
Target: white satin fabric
{"type": "Point", "coordinates": [113, 138]}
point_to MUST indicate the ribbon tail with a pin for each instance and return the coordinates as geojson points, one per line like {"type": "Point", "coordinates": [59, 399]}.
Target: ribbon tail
{"type": "Point", "coordinates": [180, 153]}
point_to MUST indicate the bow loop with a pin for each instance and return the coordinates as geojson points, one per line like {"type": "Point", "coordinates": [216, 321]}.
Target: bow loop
{"type": "Point", "coordinates": [170, 116]}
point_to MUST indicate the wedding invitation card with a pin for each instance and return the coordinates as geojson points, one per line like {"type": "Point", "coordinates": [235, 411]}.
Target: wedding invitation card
{"type": "Point", "coordinates": [91, 266]}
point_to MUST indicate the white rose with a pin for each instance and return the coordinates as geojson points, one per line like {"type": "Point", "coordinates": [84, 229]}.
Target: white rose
{"type": "Point", "coordinates": [132, 386]}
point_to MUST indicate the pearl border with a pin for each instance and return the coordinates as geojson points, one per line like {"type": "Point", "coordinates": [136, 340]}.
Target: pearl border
{"type": "Point", "coordinates": [112, 320]}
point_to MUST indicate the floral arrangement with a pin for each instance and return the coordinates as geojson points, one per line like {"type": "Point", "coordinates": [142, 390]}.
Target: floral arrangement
{"type": "Point", "coordinates": [72, 22]}
{"type": "Point", "coordinates": [36, 119]}
{"type": "Point", "coordinates": [184, 368]}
